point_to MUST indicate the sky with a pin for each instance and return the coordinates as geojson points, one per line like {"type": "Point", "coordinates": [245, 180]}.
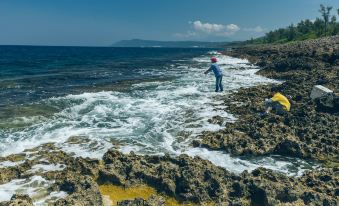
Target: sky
{"type": "Point", "coordinates": [103, 22]}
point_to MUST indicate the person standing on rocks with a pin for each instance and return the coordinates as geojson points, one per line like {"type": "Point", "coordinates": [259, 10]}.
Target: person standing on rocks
{"type": "Point", "coordinates": [217, 73]}
{"type": "Point", "coordinates": [278, 103]}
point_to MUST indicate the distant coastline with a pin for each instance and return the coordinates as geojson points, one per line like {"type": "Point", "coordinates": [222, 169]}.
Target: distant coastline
{"type": "Point", "coordinates": [169, 44]}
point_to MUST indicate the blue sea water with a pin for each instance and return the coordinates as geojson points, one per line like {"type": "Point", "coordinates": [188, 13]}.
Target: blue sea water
{"type": "Point", "coordinates": [30, 73]}
{"type": "Point", "coordinates": [147, 100]}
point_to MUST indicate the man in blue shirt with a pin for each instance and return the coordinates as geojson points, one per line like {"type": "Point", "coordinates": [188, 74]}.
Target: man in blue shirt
{"type": "Point", "coordinates": [217, 73]}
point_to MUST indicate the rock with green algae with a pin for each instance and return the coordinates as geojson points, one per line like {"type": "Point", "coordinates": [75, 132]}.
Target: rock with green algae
{"type": "Point", "coordinates": [196, 180]}
{"type": "Point", "coordinates": [186, 179]}
{"type": "Point", "coordinates": [77, 179]}
{"type": "Point", "coordinates": [8, 173]}
{"type": "Point", "coordinates": [152, 201]}
{"type": "Point", "coordinates": [81, 189]}
{"type": "Point", "coordinates": [18, 200]}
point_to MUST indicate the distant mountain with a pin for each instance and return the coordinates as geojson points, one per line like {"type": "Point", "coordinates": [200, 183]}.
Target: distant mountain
{"type": "Point", "coordinates": [168, 44]}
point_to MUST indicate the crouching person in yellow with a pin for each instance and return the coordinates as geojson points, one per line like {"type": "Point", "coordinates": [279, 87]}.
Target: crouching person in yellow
{"type": "Point", "coordinates": [278, 103]}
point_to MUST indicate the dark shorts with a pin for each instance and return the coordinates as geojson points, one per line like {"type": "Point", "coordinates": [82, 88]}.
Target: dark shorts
{"type": "Point", "coordinates": [276, 106]}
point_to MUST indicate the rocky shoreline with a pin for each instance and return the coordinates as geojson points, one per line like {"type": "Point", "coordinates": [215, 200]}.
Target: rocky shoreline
{"type": "Point", "coordinates": [187, 179]}
{"type": "Point", "coordinates": [310, 130]}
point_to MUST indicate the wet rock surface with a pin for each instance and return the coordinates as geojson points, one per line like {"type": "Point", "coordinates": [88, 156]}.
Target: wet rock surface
{"type": "Point", "coordinates": [311, 129]}
{"type": "Point", "coordinates": [185, 178]}
{"type": "Point", "coordinates": [77, 179]}
{"type": "Point", "coordinates": [18, 200]}
{"type": "Point", "coordinates": [197, 180]}
{"type": "Point", "coordinates": [152, 201]}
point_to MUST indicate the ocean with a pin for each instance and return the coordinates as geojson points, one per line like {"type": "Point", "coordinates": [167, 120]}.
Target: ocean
{"type": "Point", "coordinates": [152, 101]}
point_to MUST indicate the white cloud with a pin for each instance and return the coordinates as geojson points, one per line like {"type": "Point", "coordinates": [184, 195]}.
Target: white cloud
{"type": "Point", "coordinates": [215, 29]}
{"type": "Point", "coordinates": [207, 27]}
{"type": "Point", "coordinates": [232, 28]}
{"type": "Point", "coordinates": [201, 29]}
{"type": "Point", "coordinates": [257, 29]}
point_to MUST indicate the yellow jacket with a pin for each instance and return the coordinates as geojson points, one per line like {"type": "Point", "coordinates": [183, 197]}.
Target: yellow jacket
{"type": "Point", "coordinates": [282, 100]}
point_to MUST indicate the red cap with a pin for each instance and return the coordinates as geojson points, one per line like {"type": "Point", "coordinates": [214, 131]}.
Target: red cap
{"type": "Point", "coordinates": [213, 60]}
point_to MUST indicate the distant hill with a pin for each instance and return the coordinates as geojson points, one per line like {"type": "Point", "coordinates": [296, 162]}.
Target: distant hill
{"type": "Point", "coordinates": [168, 44]}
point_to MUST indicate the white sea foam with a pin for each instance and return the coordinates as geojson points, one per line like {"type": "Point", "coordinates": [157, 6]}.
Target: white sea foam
{"type": "Point", "coordinates": [289, 166]}
{"type": "Point", "coordinates": [214, 53]}
{"type": "Point", "coordinates": [46, 168]}
{"type": "Point", "coordinates": [10, 163]}
{"type": "Point", "coordinates": [35, 187]}
{"type": "Point", "coordinates": [225, 60]}
{"type": "Point", "coordinates": [153, 118]}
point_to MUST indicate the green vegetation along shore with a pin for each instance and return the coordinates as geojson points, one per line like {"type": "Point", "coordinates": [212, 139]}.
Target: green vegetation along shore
{"type": "Point", "coordinates": [326, 25]}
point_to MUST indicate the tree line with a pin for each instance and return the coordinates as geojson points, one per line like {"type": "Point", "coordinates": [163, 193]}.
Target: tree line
{"type": "Point", "coordinates": [326, 25]}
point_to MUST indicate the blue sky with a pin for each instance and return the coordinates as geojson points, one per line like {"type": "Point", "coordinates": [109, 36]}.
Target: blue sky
{"type": "Point", "coordinates": [102, 22]}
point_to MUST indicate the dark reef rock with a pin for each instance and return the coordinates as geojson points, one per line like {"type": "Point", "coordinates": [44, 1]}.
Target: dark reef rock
{"type": "Point", "coordinates": [18, 200]}
{"type": "Point", "coordinates": [152, 201]}
{"type": "Point", "coordinates": [185, 178]}
{"type": "Point", "coordinates": [8, 173]}
{"type": "Point", "coordinates": [197, 180]}
{"type": "Point", "coordinates": [328, 103]}
{"type": "Point", "coordinates": [179, 177]}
